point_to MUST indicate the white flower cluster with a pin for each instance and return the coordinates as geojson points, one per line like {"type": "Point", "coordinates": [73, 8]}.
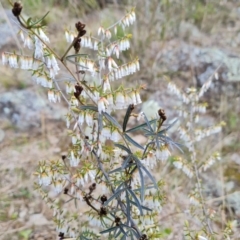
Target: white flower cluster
{"type": "Point", "coordinates": [205, 87]}
{"type": "Point", "coordinates": [111, 64]}
{"type": "Point", "coordinates": [70, 88]}
{"type": "Point", "coordinates": [52, 66]}
{"type": "Point", "coordinates": [215, 157]}
{"type": "Point", "coordinates": [108, 133]}
{"type": "Point", "coordinates": [85, 116]}
{"type": "Point", "coordinates": [104, 33]}
{"type": "Point", "coordinates": [200, 134]}
{"type": "Point", "coordinates": [20, 61]}
{"type": "Point", "coordinates": [38, 48]}
{"type": "Point", "coordinates": [43, 80]}
{"type": "Point", "coordinates": [124, 44]}
{"type": "Point", "coordinates": [27, 41]}
{"type": "Point", "coordinates": [69, 36]}
{"type": "Point", "coordinates": [186, 138]}
{"type": "Point", "coordinates": [88, 42]}
{"type": "Point", "coordinates": [150, 161]}
{"type": "Point", "coordinates": [125, 70]}
{"type": "Point", "coordinates": [129, 19]}
{"type": "Point", "coordinates": [54, 96]}
{"type": "Point", "coordinates": [184, 166]}
{"type": "Point", "coordinates": [49, 175]}
{"type": "Point", "coordinates": [86, 64]}
{"type": "Point", "coordinates": [74, 160]}
{"type": "Point", "coordinates": [173, 89]}
{"type": "Point", "coordinates": [163, 153]}
{"type": "Point", "coordinates": [102, 105]}
{"type": "Point", "coordinates": [42, 35]}
{"type": "Point", "coordinates": [124, 100]}
{"type": "Point", "coordinates": [85, 176]}
{"type": "Point", "coordinates": [200, 108]}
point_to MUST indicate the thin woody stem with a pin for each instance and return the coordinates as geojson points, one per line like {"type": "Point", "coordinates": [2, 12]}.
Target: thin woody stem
{"type": "Point", "coordinates": [69, 48]}
{"type": "Point", "coordinates": [191, 129]}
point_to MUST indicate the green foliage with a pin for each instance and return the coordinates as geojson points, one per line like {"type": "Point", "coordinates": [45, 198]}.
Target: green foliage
{"type": "Point", "coordinates": [24, 234]}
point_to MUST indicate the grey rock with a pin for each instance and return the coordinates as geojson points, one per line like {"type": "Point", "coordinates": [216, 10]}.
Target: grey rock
{"type": "Point", "coordinates": [24, 108]}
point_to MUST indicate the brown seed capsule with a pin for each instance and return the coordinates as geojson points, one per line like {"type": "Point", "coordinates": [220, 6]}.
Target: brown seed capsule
{"type": "Point", "coordinates": [117, 220]}
{"type": "Point", "coordinates": [103, 211]}
{"type": "Point", "coordinates": [103, 199]}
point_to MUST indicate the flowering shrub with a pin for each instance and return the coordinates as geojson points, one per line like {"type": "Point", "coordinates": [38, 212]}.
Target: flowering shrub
{"type": "Point", "coordinates": [193, 133]}
{"type": "Point", "coordinates": [106, 169]}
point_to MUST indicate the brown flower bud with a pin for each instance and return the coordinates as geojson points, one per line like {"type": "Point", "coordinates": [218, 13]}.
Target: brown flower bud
{"type": "Point", "coordinates": [17, 8]}
{"type": "Point", "coordinates": [77, 45]}
{"type": "Point", "coordinates": [80, 26]}
{"type": "Point", "coordinates": [82, 32]}
{"type": "Point", "coordinates": [161, 114]}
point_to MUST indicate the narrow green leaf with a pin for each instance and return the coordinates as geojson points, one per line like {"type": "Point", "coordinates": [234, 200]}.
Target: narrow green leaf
{"type": "Point", "coordinates": [175, 144]}
{"type": "Point", "coordinates": [147, 122]}
{"type": "Point", "coordinates": [150, 176]}
{"type": "Point", "coordinates": [147, 131]}
{"type": "Point", "coordinates": [139, 206]}
{"type": "Point", "coordinates": [76, 55]}
{"type": "Point", "coordinates": [133, 142]}
{"type": "Point", "coordinates": [147, 147]}
{"type": "Point", "coordinates": [126, 161]}
{"type": "Point", "coordinates": [29, 21]}
{"type": "Point", "coordinates": [100, 123]}
{"type": "Point", "coordinates": [128, 207]}
{"type": "Point", "coordinates": [108, 230]}
{"type": "Point", "coordinates": [89, 107]}
{"type": "Point", "coordinates": [123, 147]}
{"type": "Point", "coordinates": [122, 230]}
{"type": "Point", "coordinates": [119, 187]}
{"type": "Point", "coordinates": [126, 226]}
{"type": "Point", "coordinates": [167, 128]}
{"type": "Point", "coordinates": [124, 237]}
{"type": "Point", "coordinates": [127, 116]}
{"type": "Point", "coordinates": [115, 195]}
{"type": "Point", "coordinates": [40, 20]}
{"type": "Point", "coordinates": [147, 187]}
{"type": "Point", "coordinates": [112, 120]}
{"type": "Point", "coordinates": [118, 233]}
{"type": "Point", "coordinates": [74, 60]}
{"type": "Point", "coordinates": [150, 134]}
{"type": "Point", "coordinates": [143, 207]}
{"type": "Point", "coordinates": [84, 238]}
{"type": "Point", "coordinates": [139, 127]}
{"type": "Point", "coordinates": [142, 191]}
{"type": "Point", "coordinates": [116, 170]}
{"type": "Point", "coordinates": [158, 140]}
